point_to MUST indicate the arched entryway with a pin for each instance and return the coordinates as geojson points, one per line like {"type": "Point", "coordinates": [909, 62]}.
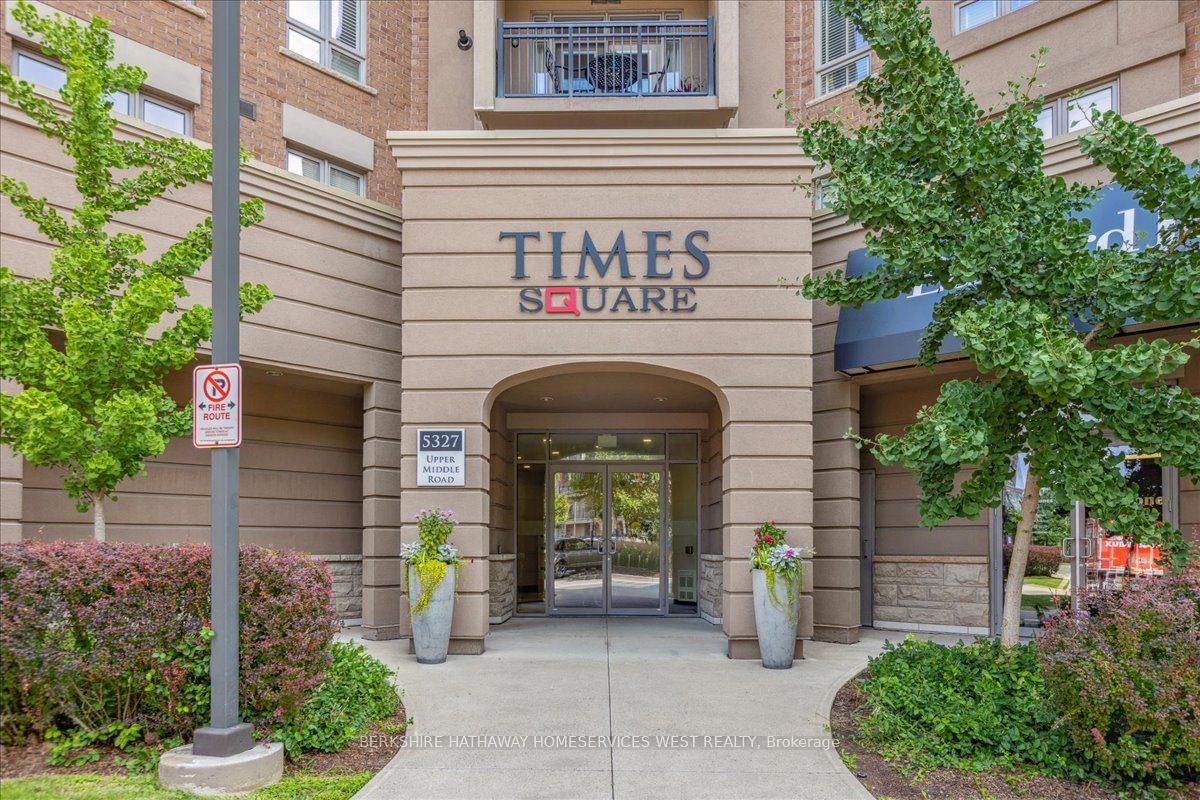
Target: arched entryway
{"type": "Point", "coordinates": [605, 493]}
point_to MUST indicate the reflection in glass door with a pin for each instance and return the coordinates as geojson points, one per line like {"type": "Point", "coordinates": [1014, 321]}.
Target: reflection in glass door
{"type": "Point", "coordinates": [577, 547]}
{"type": "Point", "coordinates": [605, 553]}
{"type": "Point", "coordinates": [635, 540]}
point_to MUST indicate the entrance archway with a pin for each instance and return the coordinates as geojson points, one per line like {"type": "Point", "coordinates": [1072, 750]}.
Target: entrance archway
{"type": "Point", "coordinates": [605, 492]}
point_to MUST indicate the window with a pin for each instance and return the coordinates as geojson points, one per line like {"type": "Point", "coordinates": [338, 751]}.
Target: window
{"type": "Point", "coordinates": [824, 194]}
{"type": "Point", "coordinates": [322, 171]}
{"type": "Point", "coordinates": [329, 32]}
{"type": "Point", "coordinates": [842, 53]}
{"type": "Point", "coordinates": [1074, 113]}
{"type": "Point", "coordinates": [43, 70]}
{"type": "Point", "coordinates": [970, 13]}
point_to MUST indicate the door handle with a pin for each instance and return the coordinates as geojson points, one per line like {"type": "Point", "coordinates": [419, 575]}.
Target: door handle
{"type": "Point", "coordinates": [1067, 549]}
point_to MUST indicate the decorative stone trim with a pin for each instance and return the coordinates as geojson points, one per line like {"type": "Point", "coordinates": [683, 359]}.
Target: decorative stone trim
{"type": "Point", "coordinates": [949, 593]}
{"type": "Point", "coordinates": [502, 587]}
{"type": "Point", "coordinates": [712, 587]}
{"type": "Point", "coordinates": [346, 569]}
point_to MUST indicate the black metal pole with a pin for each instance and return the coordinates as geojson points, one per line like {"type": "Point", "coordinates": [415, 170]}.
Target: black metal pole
{"type": "Point", "coordinates": [225, 735]}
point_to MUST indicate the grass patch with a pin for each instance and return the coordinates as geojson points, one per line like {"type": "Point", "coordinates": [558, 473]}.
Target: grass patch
{"type": "Point", "coordinates": [1048, 581]}
{"type": "Point", "coordinates": [1043, 601]}
{"type": "Point", "coordinates": [298, 786]}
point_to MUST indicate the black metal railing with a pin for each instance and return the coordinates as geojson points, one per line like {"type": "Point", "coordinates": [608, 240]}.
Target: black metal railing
{"type": "Point", "coordinates": [611, 58]}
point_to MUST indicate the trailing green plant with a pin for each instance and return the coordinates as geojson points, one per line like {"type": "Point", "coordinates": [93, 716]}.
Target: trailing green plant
{"type": "Point", "coordinates": [431, 554]}
{"type": "Point", "coordinates": [356, 691]}
{"type": "Point", "coordinates": [779, 561]}
{"type": "Point", "coordinates": [89, 346]}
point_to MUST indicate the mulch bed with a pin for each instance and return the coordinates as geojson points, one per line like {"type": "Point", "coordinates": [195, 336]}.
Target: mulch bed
{"type": "Point", "coordinates": [370, 753]}
{"type": "Point", "coordinates": [882, 779]}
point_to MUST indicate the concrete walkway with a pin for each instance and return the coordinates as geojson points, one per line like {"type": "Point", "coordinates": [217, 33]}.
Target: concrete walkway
{"type": "Point", "coordinates": [623, 687]}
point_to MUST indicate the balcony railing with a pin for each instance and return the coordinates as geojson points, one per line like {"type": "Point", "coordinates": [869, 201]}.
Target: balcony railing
{"type": "Point", "coordinates": [671, 58]}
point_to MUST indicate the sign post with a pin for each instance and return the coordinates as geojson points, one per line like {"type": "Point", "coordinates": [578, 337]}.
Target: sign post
{"type": "Point", "coordinates": [217, 405]}
{"type": "Point", "coordinates": [225, 734]}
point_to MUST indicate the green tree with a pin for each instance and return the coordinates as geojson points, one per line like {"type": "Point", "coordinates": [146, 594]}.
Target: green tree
{"type": "Point", "coordinates": [953, 194]}
{"type": "Point", "coordinates": [89, 345]}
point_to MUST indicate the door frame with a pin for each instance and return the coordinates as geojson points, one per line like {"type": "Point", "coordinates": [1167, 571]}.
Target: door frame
{"type": "Point", "coordinates": [866, 536]}
{"type": "Point", "coordinates": [606, 469]}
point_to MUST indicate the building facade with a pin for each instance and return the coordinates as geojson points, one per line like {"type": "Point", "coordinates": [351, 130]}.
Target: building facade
{"type": "Point", "coordinates": [557, 228]}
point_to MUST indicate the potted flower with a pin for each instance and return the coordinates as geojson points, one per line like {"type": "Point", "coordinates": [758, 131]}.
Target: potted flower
{"type": "Point", "coordinates": [432, 568]}
{"type": "Point", "coordinates": [777, 574]}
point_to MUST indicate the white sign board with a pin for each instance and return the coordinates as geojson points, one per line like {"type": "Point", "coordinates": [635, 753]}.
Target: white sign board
{"type": "Point", "coordinates": [441, 457]}
{"type": "Point", "coordinates": [217, 405]}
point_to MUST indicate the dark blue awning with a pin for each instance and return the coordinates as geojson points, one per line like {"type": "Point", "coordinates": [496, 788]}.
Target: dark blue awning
{"type": "Point", "coordinates": [889, 331]}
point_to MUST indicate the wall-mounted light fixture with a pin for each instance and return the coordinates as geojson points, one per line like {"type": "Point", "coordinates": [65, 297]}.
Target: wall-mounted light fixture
{"type": "Point", "coordinates": [464, 41]}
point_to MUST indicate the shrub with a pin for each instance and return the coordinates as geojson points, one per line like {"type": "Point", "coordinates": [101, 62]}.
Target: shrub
{"type": "Point", "coordinates": [1042, 560]}
{"type": "Point", "coordinates": [356, 691]}
{"type": "Point", "coordinates": [102, 636]}
{"type": "Point", "coordinates": [1125, 676]}
{"type": "Point", "coordinates": [968, 706]}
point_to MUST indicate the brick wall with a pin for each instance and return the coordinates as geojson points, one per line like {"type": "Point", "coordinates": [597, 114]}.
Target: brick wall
{"type": "Point", "coordinates": [1189, 14]}
{"type": "Point", "coordinates": [800, 73]}
{"type": "Point", "coordinates": [397, 33]}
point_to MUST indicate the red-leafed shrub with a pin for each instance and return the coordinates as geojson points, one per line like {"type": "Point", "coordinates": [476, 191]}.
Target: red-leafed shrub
{"type": "Point", "coordinates": [1043, 560]}
{"type": "Point", "coordinates": [1124, 675]}
{"type": "Point", "coordinates": [97, 636]}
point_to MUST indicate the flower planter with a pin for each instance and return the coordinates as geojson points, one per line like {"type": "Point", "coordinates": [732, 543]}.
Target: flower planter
{"type": "Point", "coordinates": [774, 621]}
{"type": "Point", "coordinates": [431, 625]}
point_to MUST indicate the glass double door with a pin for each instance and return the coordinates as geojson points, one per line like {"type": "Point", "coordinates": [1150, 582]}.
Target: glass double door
{"type": "Point", "coordinates": [605, 531]}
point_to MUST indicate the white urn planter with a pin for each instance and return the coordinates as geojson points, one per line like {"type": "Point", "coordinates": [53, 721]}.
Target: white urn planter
{"type": "Point", "coordinates": [774, 621]}
{"type": "Point", "coordinates": [431, 625]}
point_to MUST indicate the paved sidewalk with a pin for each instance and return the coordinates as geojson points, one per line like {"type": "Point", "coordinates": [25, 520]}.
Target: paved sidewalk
{"type": "Point", "coordinates": [639, 678]}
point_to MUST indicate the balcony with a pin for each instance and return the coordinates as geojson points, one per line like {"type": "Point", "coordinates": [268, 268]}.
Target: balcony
{"type": "Point", "coordinates": [639, 66]}
{"type": "Point", "coordinates": [613, 59]}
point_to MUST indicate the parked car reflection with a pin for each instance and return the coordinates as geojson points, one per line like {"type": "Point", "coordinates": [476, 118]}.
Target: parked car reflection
{"type": "Point", "coordinates": [574, 554]}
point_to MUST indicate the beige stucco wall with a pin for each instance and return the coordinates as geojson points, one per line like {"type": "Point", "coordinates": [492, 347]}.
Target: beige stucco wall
{"type": "Point", "coordinates": [465, 341]}
{"type": "Point", "coordinates": [1088, 41]}
{"type": "Point", "coordinates": [332, 334]}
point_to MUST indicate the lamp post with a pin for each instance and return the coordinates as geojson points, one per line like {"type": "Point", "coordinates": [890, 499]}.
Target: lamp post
{"type": "Point", "coordinates": [225, 734]}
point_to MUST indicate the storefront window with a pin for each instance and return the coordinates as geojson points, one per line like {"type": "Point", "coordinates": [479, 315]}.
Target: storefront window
{"type": "Point", "coordinates": [1046, 588]}
{"type": "Point", "coordinates": [1111, 556]}
{"type": "Point", "coordinates": [1071, 551]}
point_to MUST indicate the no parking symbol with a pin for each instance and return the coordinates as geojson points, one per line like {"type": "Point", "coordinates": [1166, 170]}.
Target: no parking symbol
{"type": "Point", "coordinates": [217, 405]}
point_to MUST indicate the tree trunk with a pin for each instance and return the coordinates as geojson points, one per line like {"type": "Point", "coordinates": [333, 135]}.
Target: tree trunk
{"type": "Point", "coordinates": [1010, 620]}
{"type": "Point", "coordinates": [98, 517]}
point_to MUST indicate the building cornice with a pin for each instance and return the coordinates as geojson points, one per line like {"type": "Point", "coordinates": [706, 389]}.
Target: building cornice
{"type": "Point", "coordinates": [1171, 123]}
{"type": "Point", "coordinates": [589, 149]}
{"type": "Point", "coordinates": [259, 179]}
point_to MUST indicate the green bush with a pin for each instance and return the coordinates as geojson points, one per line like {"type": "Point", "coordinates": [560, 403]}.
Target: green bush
{"type": "Point", "coordinates": [1043, 561]}
{"type": "Point", "coordinates": [969, 706]}
{"type": "Point", "coordinates": [1125, 676]}
{"type": "Point", "coordinates": [356, 691]}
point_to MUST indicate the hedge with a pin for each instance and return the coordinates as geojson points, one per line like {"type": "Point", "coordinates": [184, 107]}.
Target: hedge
{"type": "Point", "coordinates": [115, 637]}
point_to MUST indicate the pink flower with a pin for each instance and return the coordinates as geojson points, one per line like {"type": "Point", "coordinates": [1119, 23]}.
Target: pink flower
{"type": "Point", "coordinates": [1098, 736]}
